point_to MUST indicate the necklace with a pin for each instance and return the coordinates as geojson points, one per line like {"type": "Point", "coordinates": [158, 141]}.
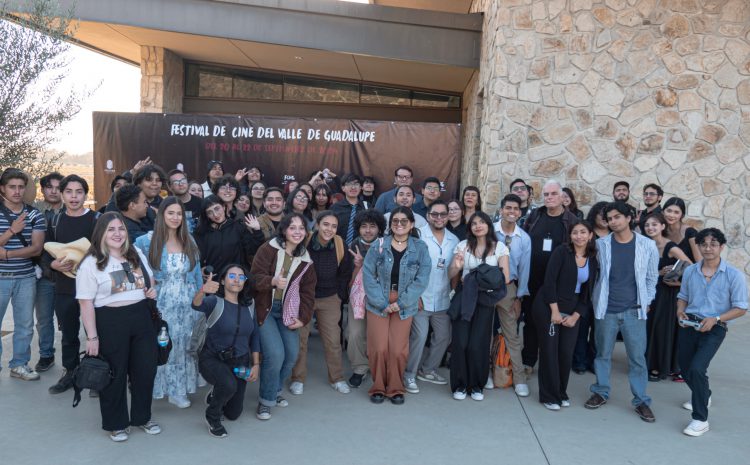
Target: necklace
{"type": "Point", "coordinates": [400, 242]}
{"type": "Point", "coordinates": [707, 276]}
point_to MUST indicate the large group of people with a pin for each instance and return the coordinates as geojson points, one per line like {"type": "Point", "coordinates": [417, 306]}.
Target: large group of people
{"type": "Point", "coordinates": [404, 283]}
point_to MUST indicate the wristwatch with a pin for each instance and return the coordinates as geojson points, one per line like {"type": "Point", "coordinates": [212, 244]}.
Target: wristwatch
{"type": "Point", "coordinates": [718, 319]}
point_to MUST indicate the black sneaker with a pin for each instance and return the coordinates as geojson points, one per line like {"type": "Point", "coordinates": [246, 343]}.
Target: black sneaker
{"type": "Point", "coordinates": [63, 384]}
{"type": "Point", "coordinates": [216, 429]}
{"type": "Point", "coordinates": [356, 380]}
{"type": "Point", "coordinates": [44, 364]}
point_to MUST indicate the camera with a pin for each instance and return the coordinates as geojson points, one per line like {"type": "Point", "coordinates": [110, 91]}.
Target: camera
{"type": "Point", "coordinates": [226, 354]}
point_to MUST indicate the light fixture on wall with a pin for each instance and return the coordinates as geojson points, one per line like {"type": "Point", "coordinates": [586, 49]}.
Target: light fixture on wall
{"type": "Point", "coordinates": [297, 57]}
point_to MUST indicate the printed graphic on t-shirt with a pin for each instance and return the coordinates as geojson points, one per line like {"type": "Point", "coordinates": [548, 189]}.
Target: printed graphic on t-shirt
{"type": "Point", "coordinates": [121, 282]}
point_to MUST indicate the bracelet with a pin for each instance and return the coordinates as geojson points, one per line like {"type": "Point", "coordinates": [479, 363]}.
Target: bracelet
{"type": "Point", "coordinates": [95, 338]}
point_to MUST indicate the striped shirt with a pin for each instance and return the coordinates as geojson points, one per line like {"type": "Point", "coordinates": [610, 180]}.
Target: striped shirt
{"type": "Point", "coordinates": [20, 267]}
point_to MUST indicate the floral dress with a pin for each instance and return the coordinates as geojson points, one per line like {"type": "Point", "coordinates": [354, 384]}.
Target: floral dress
{"type": "Point", "coordinates": [179, 376]}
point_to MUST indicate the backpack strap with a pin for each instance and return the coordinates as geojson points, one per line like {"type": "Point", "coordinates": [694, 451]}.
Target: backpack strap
{"type": "Point", "coordinates": [339, 243]}
{"type": "Point", "coordinates": [215, 313]}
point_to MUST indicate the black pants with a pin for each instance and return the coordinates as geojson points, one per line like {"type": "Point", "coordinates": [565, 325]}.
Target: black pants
{"type": "Point", "coordinates": [470, 350]}
{"type": "Point", "coordinates": [530, 351]}
{"type": "Point", "coordinates": [695, 352]}
{"type": "Point", "coordinates": [69, 318]}
{"type": "Point", "coordinates": [127, 340]}
{"type": "Point", "coordinates": [585, 351]}
{"type": "Point", "coordinates": [555, 354]}
{"type": "Point", "coordinates": [228, 393]}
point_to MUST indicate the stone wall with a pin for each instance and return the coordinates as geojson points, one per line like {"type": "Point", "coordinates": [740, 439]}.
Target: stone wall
{"type": "Point", "coordinates": [592, 91]}
{"type": "Point", "coordinates": [162, 80]}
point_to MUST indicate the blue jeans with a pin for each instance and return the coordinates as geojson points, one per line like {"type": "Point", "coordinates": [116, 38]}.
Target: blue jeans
{"type": "Point", "coordinates": [20, 292]}
{"type": "Point", "coordinates": [280, 348]}
{"type": "Point", "coordinates": [45, 317]}
{"type": "Point", "coordinates": [696, 350]}
{"type": "Point", "coordinates": [634, 334]}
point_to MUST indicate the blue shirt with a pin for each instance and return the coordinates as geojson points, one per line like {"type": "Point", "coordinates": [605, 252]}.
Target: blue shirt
{"type": "Point", "coordinates": [437, 295]}
{"type": "Point", "coordinates": [726, 290]}
{"type": "Point", "coordinates": [520, 256]}
{"type": "Point", "coordinates": [387, 201]}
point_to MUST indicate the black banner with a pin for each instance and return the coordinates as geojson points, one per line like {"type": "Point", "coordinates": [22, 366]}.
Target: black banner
{"type": "Point", "coordinates": [280, 147]}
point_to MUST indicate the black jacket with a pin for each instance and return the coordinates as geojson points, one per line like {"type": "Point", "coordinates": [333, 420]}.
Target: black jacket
{"type": "Point", "coordinates": [567, 219]}
{"type": "Point", "coordinates": [231, 243]}
{"type": "Point", "coordinates": [343, 211]}
{"type": "Point", "coordinates": [560, 281]}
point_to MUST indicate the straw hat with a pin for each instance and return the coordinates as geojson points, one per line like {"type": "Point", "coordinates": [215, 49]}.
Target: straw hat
{"type": "Point", "coordinates": [72, 251]}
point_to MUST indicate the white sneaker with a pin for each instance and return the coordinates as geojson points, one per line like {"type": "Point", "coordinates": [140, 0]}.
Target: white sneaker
{"type": "Point", "coordinates": [489, 384]}
{"type": "Point", "coordinates": [151, 427]}
{"type": "Point", "coordinates": [565, 403]}
{"type": "Point", "coordinates": [180, 401]}
{"type": "Point", "coordinates": [24, 372]}
{"type": "Point", "coordinates": [459, 395]}
{"type": "Point", "coordinates": [522, 390]}
{"type": "Point", "coordinates": [411, 385]}
{"type": "Point", "coordinates": [120, 435]}
{"type": "Point", "coordinates": [551, 406]}
{"type": "Point", "coordinates": [296, 388]}
{"type": "Point", "coordinates": [689, 405]}
{"type": "Point", "coordinates": [477, 395]}
{"type": "Point", "coordinates": [696, 428]}
{"type": "Point", "coordinates": [339, 386]}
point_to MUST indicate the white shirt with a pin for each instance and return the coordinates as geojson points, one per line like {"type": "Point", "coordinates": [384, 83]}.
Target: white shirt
{"type": "Point", "coordinates": [471, 262]}
{"type": "Point", "coordinates": [111, 286]}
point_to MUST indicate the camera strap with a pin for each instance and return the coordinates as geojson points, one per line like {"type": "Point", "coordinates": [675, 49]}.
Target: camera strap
{"type": "Point", "coordinates": [237, 329]}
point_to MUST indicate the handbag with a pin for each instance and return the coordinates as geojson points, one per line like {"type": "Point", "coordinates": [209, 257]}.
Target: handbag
{"type": "Point", "coordinates": [162, 356]}
{"type": "Point", "coordinates": [502, 371]}
{"type": "Point", "coordinates": [675, 274]}
{"type": "Point", "coordinates": [91, 373]}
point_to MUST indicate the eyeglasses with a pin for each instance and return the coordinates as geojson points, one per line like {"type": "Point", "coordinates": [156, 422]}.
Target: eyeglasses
{"type": "Point", "coordinates": [128, 271]}
{"type": "Point", "coordinates": [432, 189]}
{"type": "Point", "coordinates": [709, 245]}
{"type": "Point", "coordinates": [228, 188]}
{"type": "Point", "coordinates": [179, 182]}
{"type": "Point", "coordinates": [403, 178]}
{"type": "Point", "coordinates": [519, 188]}
{"type": "Point", "coordinates": [301, 198]}
{"type": "Point", "coordinates": [650, 194]}
{"type": "Point", "coordinates": [400, 221]}
{"type": "Point", "coordinates": [241, 277]}
{"type": "Point", "coordinates": [352, 184]}
{"type": "Point", "coordinates": [438, 214]}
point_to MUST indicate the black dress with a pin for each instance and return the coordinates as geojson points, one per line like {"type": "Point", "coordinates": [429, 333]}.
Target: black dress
{"type": "Point", "coordinates": [684, 244]}
{"type": "Point", "coordinates": [661, 352]}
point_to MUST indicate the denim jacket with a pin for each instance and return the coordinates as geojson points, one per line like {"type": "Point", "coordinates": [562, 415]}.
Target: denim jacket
{"type": "Point", "coordinates": [412, 280]}
{"type": "Point", "coordinates": [193, 277]}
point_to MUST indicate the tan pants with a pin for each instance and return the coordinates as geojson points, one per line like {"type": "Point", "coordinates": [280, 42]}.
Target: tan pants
{"type": "Point", "coordinates": [387, 350]}
{"type": "Point", "coordinates": [513, 339]}
{"type": "Point", "coordinates": [328, 312]}
{"type": "Point", "coordinates": [356, 349]}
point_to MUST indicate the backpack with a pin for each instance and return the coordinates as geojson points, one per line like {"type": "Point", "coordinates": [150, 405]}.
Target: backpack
{"type": "Point", "coordinates": [201, 326]}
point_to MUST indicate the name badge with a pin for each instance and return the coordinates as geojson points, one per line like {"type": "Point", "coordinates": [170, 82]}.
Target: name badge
{"type": "Point", "coordinates": [441, 264]}
{"type": "Point", "coordinates": [547, 245]}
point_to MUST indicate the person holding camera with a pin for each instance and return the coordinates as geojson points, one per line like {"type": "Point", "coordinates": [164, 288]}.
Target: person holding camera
{"type": "Point", "coordinates": [230, 344]}
{"type": "Point", "coordinates": [712, 293]}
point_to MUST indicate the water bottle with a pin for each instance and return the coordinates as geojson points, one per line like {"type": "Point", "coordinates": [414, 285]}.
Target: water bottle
{"type": "Point", "coordinates": [163, 338]}
{"type": "Point", "coordinates": [242, 372]}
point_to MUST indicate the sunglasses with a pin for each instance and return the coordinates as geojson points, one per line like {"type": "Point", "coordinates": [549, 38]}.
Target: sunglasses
{"type": "Point", "coordinates": [400, 221]}
{"type": "Point", "coordinates": [241, 277]}
{"type": "Point", "coordinates": [439, 214]}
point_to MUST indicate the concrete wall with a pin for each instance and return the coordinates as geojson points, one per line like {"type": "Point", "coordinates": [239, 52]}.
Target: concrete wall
{"type": "Point", "coordinates": [592, 91]}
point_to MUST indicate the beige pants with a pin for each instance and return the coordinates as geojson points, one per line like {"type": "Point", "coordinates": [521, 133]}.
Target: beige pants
{"type": "Point", "coordinates": [356, 349]}
{"type": "Point", "coordinates": [328, 312]}
{"type": "Point", "coordinates": [513, 339]}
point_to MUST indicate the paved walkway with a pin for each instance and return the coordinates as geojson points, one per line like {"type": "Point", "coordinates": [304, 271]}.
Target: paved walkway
{"type": "Point", "coordinates": [324, 427]}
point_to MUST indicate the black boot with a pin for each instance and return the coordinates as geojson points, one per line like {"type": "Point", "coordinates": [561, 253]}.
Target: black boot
{"type": "Point", "coordinates": [63, 384]}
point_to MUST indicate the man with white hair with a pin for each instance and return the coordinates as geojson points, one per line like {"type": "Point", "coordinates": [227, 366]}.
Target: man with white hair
{"type": "Point", "coordinates": [548, 227]}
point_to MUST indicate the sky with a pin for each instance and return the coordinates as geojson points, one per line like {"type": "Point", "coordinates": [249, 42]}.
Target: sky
{"type": "Point", "coordinates": [118, 90]}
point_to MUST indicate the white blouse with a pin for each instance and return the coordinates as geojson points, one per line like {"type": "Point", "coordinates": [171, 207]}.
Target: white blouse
{"type": "Point", "coordinates": [471, 262]}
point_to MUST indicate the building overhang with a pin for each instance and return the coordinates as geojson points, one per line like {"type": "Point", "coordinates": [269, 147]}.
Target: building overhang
{"type": "Point", "coordinates": [408, 47]}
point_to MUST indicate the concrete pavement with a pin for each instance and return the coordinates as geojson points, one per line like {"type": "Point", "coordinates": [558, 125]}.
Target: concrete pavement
{"type": "Point", "coordinates": [325, 427]}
